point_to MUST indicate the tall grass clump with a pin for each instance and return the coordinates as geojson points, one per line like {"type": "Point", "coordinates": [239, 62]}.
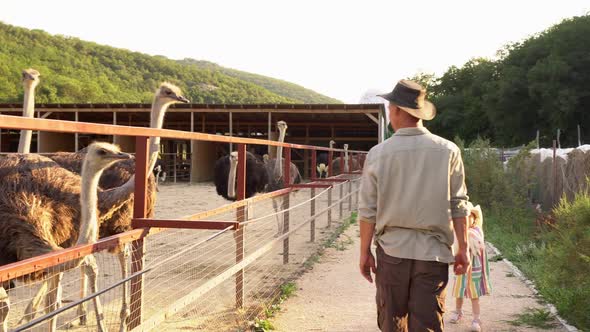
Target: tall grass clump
{"type": "Point", "coordinates": [553, 250]}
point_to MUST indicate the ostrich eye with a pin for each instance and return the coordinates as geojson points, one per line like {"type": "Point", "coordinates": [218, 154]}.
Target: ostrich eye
{"type": "Point", "coordinates": [102, 152]}
{"type": "Point", "coordinates": [168, 92]}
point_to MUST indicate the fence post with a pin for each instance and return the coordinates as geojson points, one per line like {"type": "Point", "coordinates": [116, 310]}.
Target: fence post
{"type": "Point", "coordinates": [241, 216]}
{"type": "Point", "coordinates": [349, 195]}
{"type": "Point", "coordinates": [554, 191]}
{"type": "Point", "coordinates": [330, 205]}
{"type": "Point", "coordinates": [138, 246]}
{"type": "Point", "coordinates": [330, 160]}
{"type": "Point", "coordinates": [340, 200]}
{"type": "Point", "coordinates": [286, 203]}
{"type": "Point", "coordinates": [312, 212]}
{"type": "Point", "coordinates": [341, 164]}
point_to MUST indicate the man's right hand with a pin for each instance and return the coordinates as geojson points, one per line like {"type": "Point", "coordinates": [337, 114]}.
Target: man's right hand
{"type": "Point", "coordinates": [461, 262]}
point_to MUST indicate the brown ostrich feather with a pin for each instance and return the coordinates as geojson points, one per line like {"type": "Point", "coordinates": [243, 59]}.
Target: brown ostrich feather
{"type": "Point", "coordinates": [40, 207]}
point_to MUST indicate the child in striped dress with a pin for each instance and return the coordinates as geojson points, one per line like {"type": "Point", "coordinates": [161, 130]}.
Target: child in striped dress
{"type": "Point", "coordinates": [475, 283]}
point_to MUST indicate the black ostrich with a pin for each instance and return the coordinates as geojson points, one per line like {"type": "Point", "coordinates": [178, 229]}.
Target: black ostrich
{"type": "Point", "coordinates": [261, 176]}
{"type": "Point", "coordinates": [256, 176]}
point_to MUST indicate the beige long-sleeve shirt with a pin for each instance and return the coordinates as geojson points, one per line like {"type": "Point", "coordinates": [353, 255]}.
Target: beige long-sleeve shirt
{"type": "Point", "coordinates": [413, 184]}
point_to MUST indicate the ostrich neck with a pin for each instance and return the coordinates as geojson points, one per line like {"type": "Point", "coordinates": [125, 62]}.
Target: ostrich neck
{"type": "Point", "coordinates": [231, 179]}
{"type": "Point", "coordinates": [24, 144]}
{"type": "Point", "coordinates": [279, 164]}
{"type": "Point", "coordinates": [159, 108]}
{"type": "Point", "coordinates": [346, 160]}
{"type": "Point", "coordinates": [88, 202]}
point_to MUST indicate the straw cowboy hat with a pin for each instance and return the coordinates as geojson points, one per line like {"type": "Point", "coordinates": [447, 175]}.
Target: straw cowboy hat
{"type": "Point", "coordinates": [475, 240]}
{"type": "Point", "coordinates": [411, 97]}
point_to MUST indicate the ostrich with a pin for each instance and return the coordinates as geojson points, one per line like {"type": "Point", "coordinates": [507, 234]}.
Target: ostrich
{"type": "Point", "coordinates": [347, 167]}
{"type": "Point", "coordinates": [37, 196]}
{"type": "Point", "coordinates": [263, 176]}
{"type": "Point", "coordinates": [119, 219]}
{"type": "Point", "coordinates": [30, 78]}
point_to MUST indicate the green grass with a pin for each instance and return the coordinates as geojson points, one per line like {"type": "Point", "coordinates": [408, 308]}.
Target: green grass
{"type": "Point", "coordinates": [333, 241]}
{"type": "Point", "coordinates": [538, 318]}
{"type": "Point", "coordinates": [543, 259]}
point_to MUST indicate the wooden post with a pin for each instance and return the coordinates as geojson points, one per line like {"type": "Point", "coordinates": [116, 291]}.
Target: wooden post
{"type": "Point", "coordinates": [231, 131]}
{"type": "Point", "coordinates": [175, 156]}
{"type": "Point", "coordinates": [306, 174]}
{"type": "Point", "coordinates": [349, 195]}
{"type": "Point", "coordinates": [242, 215]}
{"type": "Point", "coordinates": [138, 246]}
{"type": "Point", "coordinates": [76, 135]}
{"type": "Point", "coordinates": [330, 160]}
{"type": "Point", "coordinates": [192, 148]}
{"type": "Point", "coordinates": [537, 139]}
{"type": "Point", "coordinates": [554, 191]}
{"type": "Point", "coordinates": [313, 164]}
{"type": "Point", "coordinates": [330, 205]}
{"type": "Point", "coordinates": [558, 142]}
{"type": "Point", "coordinates": [342, 163]}
{"type": "Point", "coordinates": [312, 213]}
{"type": "Point", "coordinates": [341, 203]}
{"type": "Point", "coordinates": [579, 136]}
{"type": "Point", "coordinates": [286, 203]}
{"type": "Point", "coordinates": [269, 133]}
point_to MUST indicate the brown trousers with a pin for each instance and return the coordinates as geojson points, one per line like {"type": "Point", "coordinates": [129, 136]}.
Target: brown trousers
{"type": "Point", "coordinates": [410, 293]}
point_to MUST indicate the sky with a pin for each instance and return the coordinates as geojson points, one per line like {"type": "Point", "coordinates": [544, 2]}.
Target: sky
{"type": "Point", "coordinates": [338, 48]}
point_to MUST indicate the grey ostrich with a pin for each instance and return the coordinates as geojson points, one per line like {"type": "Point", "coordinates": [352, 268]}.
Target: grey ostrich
{"type": "Point", "coordinates": [30, 79]}
{"type": "Point", "coordinates": [119, 220]}
{"type": "Point", "coordinates": [44, 207]}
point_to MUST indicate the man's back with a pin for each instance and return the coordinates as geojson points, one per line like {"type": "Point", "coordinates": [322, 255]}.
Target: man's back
{"type": "Point", "coordinates": [419, 181]}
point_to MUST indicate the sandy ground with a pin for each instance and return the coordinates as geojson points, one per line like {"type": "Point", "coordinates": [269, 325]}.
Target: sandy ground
{"type": "Point", "coordinates": [335, 297]}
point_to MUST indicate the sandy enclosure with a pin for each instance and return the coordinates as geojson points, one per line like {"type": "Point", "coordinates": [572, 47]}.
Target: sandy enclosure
{"type": "Point", "coordinates": [179, 261]}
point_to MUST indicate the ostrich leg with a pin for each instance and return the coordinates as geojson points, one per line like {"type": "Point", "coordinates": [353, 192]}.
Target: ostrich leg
{"type": "Point", "coordinates": [4, 309]}
{"type": "Point", "coordinates": [82, 313]}
{"type": "Point", "coordinates": [33, 306]}
{"type": "Point", "coordinates": [54, 298]}
{"type": "Point", "coordinates": [278, 218]}
{"type": "Point", "coordinates": [125, 312]}
{"type": "Point", "coordinates": [91, 269]}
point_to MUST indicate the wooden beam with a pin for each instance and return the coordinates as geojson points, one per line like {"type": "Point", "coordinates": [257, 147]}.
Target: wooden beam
{"type": "Point", "coordinates": [200, 110]}
{"type": "Point", "coordinates": [185, 224]}
{"type": "Point", "coordinates": [370, 116]}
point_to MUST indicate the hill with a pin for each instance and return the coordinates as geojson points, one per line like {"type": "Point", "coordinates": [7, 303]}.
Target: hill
{"type": "Point", "coordinates": [280, 87]}
{"type": "Point", "coordinates": [77, 71]}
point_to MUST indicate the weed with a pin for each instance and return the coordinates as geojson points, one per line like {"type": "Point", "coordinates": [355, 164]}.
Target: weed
{"type": "Point", "coordinates": [262, 325]}
{"type": "Point", "coordinates": [539, 318]}
{"type": "Point", "coordinates": [496, 258]}
{"type": "Point", "coordinates": [510, 275]}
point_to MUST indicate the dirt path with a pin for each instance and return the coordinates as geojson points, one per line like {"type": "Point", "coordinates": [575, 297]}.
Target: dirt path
{"type": "Point", "coordinates": [334, 297]}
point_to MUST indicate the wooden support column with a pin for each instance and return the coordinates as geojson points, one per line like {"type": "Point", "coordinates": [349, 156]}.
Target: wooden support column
{"type": "Point", "coordinates": [269, 132]}
{"type": "Point", "coordinates": [231, 130]}
{"type": "Point", "coordinates": [312, 212]}
{"type": "Point", "coordinates": [76, 147]}
{"type": "Point", "coordinates": [306, 174]}
{"type": "Point", "coordinates": [191, 177]}
{"type": "Point", "coordinates": [114, 123]}
{"type": "Point", "coordinates": [286, 203]}
{"type": "Point", "coordinates": [203, 123]}
{"type": "Point", "coordinates": [242, 215]}
{"type": "Point", "coordinates": [138, 246]}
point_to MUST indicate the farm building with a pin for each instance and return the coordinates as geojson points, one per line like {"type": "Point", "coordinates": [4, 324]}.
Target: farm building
{"type": "Point", "coordinates": [315, 124]}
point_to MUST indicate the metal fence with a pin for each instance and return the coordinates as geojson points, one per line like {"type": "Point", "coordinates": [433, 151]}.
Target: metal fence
{"type": "Point", "coordinates": [213, 270]}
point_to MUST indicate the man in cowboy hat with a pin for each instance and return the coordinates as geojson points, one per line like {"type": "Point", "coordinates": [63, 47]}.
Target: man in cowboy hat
{"type": "Point", "coordinates": [413, 195]}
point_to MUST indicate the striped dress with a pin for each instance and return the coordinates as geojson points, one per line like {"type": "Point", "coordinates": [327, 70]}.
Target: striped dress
{"type": "Point", "coordinates": [476, 282]}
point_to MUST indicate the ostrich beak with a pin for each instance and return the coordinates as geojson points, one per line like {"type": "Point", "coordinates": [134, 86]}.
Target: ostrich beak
{"type": "Point", "coordinates": [182, 99]}
{"type": "Point", "coordinates": [122, 156]}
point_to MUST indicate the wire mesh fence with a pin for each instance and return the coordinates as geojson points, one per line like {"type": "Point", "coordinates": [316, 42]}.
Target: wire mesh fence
{"type": "Point", "coordinates": [198, 279]}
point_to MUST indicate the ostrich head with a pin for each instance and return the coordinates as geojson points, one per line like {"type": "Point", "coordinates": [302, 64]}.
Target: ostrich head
{"type": "Point", "coordinates": [30, 78]}
{"type": "Point", "coordinates": [332, 144]}
{"type": "Point", "coordinates": [101, 155]}
{"type": "Point", "coordinates": [345, 146]}
{"type": "Point", "coordinates": [282, 126]}
{"type": "Point", "coordinates": [170, 94]}
{"type": "Point", "coordinates": [265, 158]}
